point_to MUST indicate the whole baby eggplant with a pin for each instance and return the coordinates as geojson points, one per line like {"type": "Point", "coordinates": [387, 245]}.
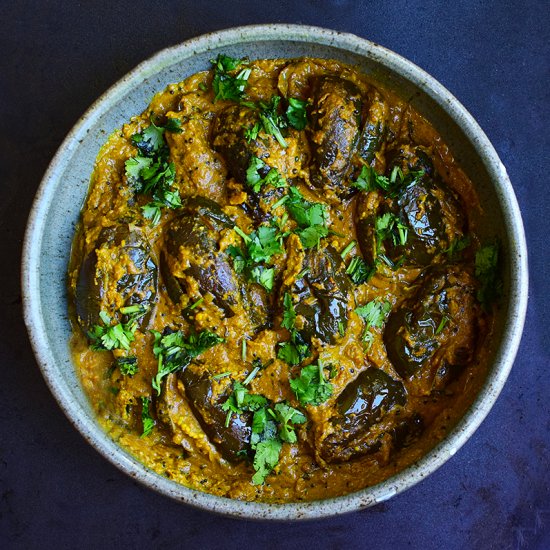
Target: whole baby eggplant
{"type": "Point", "coordinates": [425, 209]}
{"type": "Point", "coordinates": [362, 404]}
{"type": "Point", "coordinates": [192, 260]}
{"type": "Point", "coordinates": [119, 270]}
{"type": "Point", "coordinates": [233, 440]}
{"type": "Point", "coordinates": [321, 295]}
{"type": "Point", "coordinates": [335, 128]}
{"type": "Point", "coordinates": [432, 337]}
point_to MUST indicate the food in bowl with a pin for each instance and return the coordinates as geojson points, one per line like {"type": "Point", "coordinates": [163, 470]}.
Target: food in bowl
{"type": "Point", "coordinates": [278, 290]}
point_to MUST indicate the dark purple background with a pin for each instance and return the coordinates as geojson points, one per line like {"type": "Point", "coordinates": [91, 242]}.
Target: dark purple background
{"type": "Point", "coordinates": [56, 491]}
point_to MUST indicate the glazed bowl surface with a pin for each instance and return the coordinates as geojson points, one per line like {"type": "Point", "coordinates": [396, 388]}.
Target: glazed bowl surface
{"type": "Point", "coordinates": [56, 208]}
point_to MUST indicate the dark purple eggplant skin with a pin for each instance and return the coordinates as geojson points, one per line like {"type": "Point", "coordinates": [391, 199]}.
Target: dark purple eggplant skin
{"type": "Point", "coordinates": [360, 406]}
{"type": "Point", "coordinates": [136, 288]}
{"type": "Point", "coordinates": [428, 209]}
{"type": "Point", "coordinates": [321, 295]}
{"type": "Point", "coordinates": [411, 335]}
{"type": "Point", "coordinates": [334, 132]}
{"type": "Point", "coordinates": [197, 230]}
{"type": "Point", "coordinates": [233, 441]}
{"type": "Point", "coordinates": [228, 138]}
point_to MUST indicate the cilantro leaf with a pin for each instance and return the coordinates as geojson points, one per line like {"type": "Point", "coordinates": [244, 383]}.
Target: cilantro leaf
{"type": "Point", "coordinates": [296, 113]}
{"type": "Point", "coordinates": [311, 387]}
{"type": "Point", "coordinates": [311, 218]}
{"type": "Point", "coordinates": [175, 352]}
{"type": "Point", "coordinates": [127, 365]}
{"type": "Point", "coordinates": [272, 123]}
{"type": "Point", "coordinates": [374, 312]}
{"type": "Point", "coordinates": [289, 314]}
{"type": "Point", "coordinates": [118, 336]}
{"type": "Point", "coordinates": [256, 181]}
{"type": "Point", "coordinates": [457, 246]}
{"type": "Point", "coordinates": [358, 271]}
{"type": "Point", "coordinates": [486, 271]}
{"type": "Point", "coordinates": [151, 173]}
{"type": "Point", "coordinates": [286, 416]}
{"type": "Point", "coordinates": [135, 165]}
{"type": "Point", "coordinates": [146, 419]}
{"type": "Point", "coordinates": [311, 236]}
{"type": "Point", "coordinates": [266, 458]}
{"type": "Point", "coordinates": [295, 350]}
{"type": "Point", "coordinates": [226, 85]}
{"type": "Point", "coordinates": [370, 180]}
{"type": "Point", "coordinates": [264, 276]}
{"type": "Point", "coordinates": [261, 245]}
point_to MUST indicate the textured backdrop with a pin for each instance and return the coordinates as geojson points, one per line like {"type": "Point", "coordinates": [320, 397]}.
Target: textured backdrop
{"type": "Point", "coordinates": [56, 491]}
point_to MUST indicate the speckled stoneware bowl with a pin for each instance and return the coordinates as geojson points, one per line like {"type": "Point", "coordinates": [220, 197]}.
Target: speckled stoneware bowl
{"type": "Point", "coordinates": [58, 201]}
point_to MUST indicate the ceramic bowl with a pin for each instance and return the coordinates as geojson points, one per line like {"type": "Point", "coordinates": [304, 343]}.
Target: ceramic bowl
{"type": "Point", "coordinates": [62, 191]}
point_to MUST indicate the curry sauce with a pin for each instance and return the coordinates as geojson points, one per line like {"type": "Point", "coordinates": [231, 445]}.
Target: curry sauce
{"type": "Point", "coordinates": [274, 284]}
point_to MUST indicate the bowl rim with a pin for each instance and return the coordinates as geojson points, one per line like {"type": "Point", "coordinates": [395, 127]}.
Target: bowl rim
{"type": "Point", "coordinates": [407, 477]}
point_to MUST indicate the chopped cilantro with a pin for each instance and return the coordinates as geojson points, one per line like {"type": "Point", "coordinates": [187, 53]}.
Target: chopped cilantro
{"type": "Point", "coordinates": [272, 122]}
{"type": "Point", "coordinates": [174, 351]}
{"type": "Point", "coordinates": [295, 350]}
{"type": "Point", "coordinates": [289, 315]}
{"type": "Point", "coordinates": [486, 271]}
{"type": "Point", "coordinates": [296, 113]}
{"type": "Point", "coordinates": [348, 249]}
{"type": "Point", "coordinates": [118, 336]}
{"type": "Point", "coordinates": [370, 180]}
{"type": "Point", "coordinates": [256, 181]}
{"type": "Point", "coordinates": [264, 276]}
{"type": "Point", "coordinates": [374, 313]}
{"type": "Point", "coordinates": [146, 419]}
{"type": "Point", "coordinates": [266, 457]}
{"type": "Point", "coordinates": [286, 415]}
{"type": "Point", "coordinates": [311, 387]}
{"type": "Point", "coordinates": [442, 324]}
{"type": "Point", "coordinates": [358, 271]}
{"type": "Point", "coordinates": [390, 226]}
{"type": "Point", "coordinates": [311, 218]}
{"type": "Point", "coordinates": [261, 245]}
{"type": "Point", "coordinates": [226, 85]}
{"type": "Point", "coordinates": [127, 365]}
{"type": "Point", "coordinates": [150, 171]}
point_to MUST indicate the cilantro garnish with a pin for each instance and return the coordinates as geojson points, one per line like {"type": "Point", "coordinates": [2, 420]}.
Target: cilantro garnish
{"type": "Point", "coordinates": [358, 271]}
{"type": "Point", "coordinates": [286, 415]}
{"type": "Point", "coordinates": [311, 218]}
{"type": "Point", "coordinates": [389, 226]}
{"type": "Point", "coordinates": [256, 181]}
{"type": "Point", "coordinates": [486, 272]}
{"type": "Point", "coordinates": [374, 314]}
{"type": "Point", "coordinates": [127, 365]}
{"type": "Point", "coordinates": [295, 350]}
{"type": "Point", "coordinates": [296, 113]}
{"type": "Point", "coordinates": [311, 387]}
{"type": "Point", "coordinates": [260, 246]}
{"type": "Point", "coordinates": [289, 314]}
{"type": "Point", "coordinates": [370, 180]}
{"type": "Point", "coordinates": [146, 419]}
{"type": "Point", "coordinates": [227, 85]}
{"type": "Point", "coordinates": [150, 171]}
{"type": "Point", "coordinates": [272, 123]}
{"type": "Point", "coordinates": [118, 336]}
{"type": "Point", "coordinates": [270, 428]}
{"type": "Point", "coordinates": [175, 352]}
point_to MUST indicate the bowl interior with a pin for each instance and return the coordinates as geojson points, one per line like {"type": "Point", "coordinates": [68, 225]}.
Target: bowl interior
{"type": "Point", "coordinates": [63, 190]}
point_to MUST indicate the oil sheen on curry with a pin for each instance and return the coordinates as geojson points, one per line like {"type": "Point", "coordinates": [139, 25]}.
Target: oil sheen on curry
{"type": "Point", "coordinates": [277, 289]}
